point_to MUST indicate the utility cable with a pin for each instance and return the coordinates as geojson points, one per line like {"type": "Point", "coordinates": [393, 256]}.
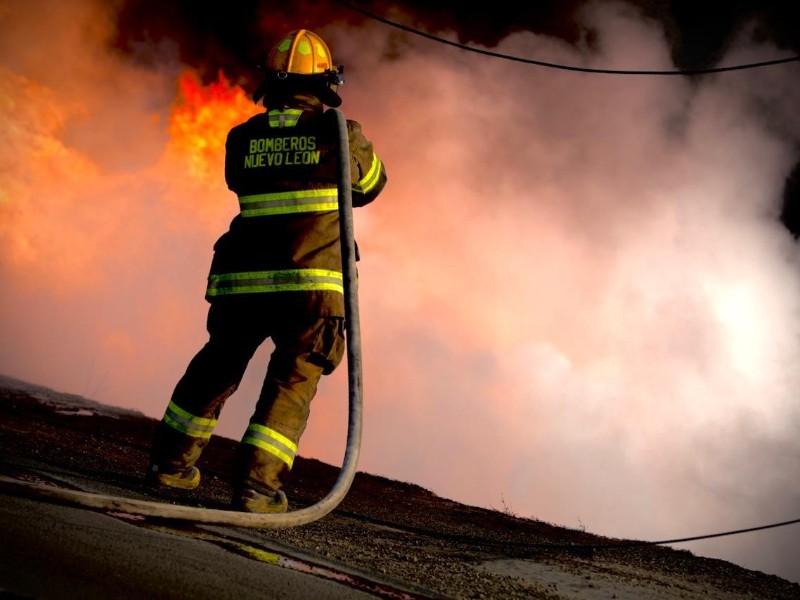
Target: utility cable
{"type": "Point", "coordinates": [524, 545]}
{"type": "Point", "coordinates": [702, 537]}
{"type": "Point", "coordinates": [645, 543]}
{"type": "Point", "coordinates": [562, 66]}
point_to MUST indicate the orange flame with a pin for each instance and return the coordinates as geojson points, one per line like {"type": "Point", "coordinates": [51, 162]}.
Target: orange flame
{"type": "Point", "coordinates": [201, 119]}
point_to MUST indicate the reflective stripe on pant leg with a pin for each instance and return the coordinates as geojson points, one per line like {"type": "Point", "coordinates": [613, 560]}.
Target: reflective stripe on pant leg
{"type": "Point", "coordinates": [187, 423]}
{"type": "Point", "coordinates": [271, 441]}
{"type": "Point", "coordinates": [180, 438]}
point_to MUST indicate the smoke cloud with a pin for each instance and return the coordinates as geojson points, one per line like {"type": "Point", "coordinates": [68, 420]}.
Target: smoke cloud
{"type": "Point", "coordinates": [577, 300]}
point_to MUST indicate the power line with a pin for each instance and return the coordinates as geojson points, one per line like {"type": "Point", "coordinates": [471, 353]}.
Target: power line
{"type": "Point", "coordinates": [561, 66]}
{"type": "Point", "coordinates": [644, 543]}
{"type": "Point", "coordinates": [534, 546]}
{"type": "Point", "coordinates": [697, 537]}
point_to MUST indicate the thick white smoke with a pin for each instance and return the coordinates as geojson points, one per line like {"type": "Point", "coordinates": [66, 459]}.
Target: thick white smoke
{"type": "Point", "coordinates": [579, 300]}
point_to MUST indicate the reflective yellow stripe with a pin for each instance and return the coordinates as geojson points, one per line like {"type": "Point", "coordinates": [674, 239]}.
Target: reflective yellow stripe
{"type": "Point", "coordinates": [271, 441]}
{"type": "Point", "coordinates": [186, 422]}
{"type": "Point", "coordinates": [282, 203]}
{"type": "Point", "coordinates": [288, 280]}
{"type": "Point", "coordinates": [370, 180]}
{"type": "Point", "coordinates": [284, 118]}
{"type": "Point", "coordinates": [267, 557]}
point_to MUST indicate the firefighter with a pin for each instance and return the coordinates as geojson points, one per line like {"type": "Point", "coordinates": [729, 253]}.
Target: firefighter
{"type": "Point", "coordinates": [276, 273]}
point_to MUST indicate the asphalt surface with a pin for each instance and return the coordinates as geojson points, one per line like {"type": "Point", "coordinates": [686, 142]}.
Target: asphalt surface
{"type": "Point", "coordinates": [53, 552]}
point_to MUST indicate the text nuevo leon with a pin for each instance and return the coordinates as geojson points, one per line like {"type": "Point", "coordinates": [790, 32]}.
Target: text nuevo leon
{"type": "Point", "coordinates": [282, 151]}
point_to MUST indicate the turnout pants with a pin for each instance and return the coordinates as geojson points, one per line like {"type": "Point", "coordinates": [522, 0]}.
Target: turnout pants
{"type": "Point", "coordinates": [306, 347]}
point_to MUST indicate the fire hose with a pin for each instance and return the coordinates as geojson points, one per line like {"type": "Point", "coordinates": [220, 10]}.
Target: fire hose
{"type": "Point", "coordinates": [347, 473]}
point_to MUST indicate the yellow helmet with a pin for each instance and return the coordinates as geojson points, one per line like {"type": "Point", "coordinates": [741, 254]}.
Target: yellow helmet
{"type": "Point", "coordinates": [301, 62]}
{"type": "Point", "coordinates": [300, 51]}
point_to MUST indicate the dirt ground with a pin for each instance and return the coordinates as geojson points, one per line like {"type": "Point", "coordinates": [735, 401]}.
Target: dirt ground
{"type": "Point", "coordinates": [386, 532]}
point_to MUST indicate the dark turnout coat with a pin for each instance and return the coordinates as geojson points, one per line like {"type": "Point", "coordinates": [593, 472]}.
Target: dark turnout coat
{"type": "Point", "coordinates": [283, 167]}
